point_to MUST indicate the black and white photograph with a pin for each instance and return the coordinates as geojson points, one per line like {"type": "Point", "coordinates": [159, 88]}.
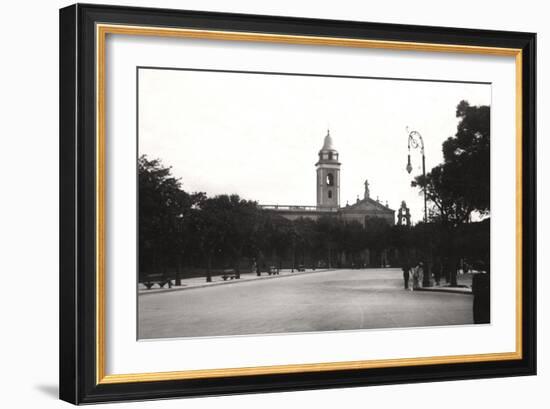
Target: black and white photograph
{"type": "Point", "coordinates": [276, 203]}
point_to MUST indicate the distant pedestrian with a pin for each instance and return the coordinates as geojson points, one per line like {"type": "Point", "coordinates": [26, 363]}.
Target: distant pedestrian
{"type": "Point", "coordinates": [413, 279]}
{"type": "Point", "coordinates": [420, 273]}
{"type": "Point", "coordinates": [406, 274]}
{"type": "Point", "coordinates": [417, 276]}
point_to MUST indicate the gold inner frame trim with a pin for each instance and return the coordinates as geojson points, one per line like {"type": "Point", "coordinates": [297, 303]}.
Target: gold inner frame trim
{"type": "Point", "coordinates": [101, 33]}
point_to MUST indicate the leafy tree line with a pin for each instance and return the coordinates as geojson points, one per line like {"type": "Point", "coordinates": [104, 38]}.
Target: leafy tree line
{"type": "Point", "coordinates": [180, 230]}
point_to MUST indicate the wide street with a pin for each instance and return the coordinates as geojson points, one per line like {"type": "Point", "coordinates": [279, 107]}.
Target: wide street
{"type": "Point", "coordinates": [320, 301]}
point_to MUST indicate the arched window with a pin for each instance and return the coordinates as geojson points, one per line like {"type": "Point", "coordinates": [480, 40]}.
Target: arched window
{"type": "Point", "coordinates": [330, 179]}
{"type": "Point", "coordinates": [330, 194]}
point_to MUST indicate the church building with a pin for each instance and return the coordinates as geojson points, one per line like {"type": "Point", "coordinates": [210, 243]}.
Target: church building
{"type": "Point", "coordinates": [328, 195]}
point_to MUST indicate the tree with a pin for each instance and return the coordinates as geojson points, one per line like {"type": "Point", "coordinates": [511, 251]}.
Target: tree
{"type": "Point", "coordinates": [308, 241]}
{"type": "Point", "coordinates": [450, 207]}
{"type": "Point", "coordinates": [329, 231]}
{"type": "Point", "coordinates": [277, 235]}
{"type": "Point", "coordinates": [467, 156]}
{"type": "Point", "coordinates": [378, 236]}
{"type": "Point", "coordinates": [226, 227]}
{"type": "Point", "coordinates": [163, 205]}
{"type": "Point", "coordinates": [461, 184]}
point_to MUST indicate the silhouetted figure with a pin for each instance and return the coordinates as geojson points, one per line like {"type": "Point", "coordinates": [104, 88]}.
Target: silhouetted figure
{"type": "Point", "coordinates": [406, 274]}
{"type": "Point", "coordinates": [417, 276]}
{"type": "Point", "coordinates": [437, 272]}
{"type": "Point", "coordinates": [481, 288]}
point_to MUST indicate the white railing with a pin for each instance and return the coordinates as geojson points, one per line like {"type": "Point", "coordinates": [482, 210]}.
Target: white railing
{"type": "Point", "coordinates": [295, 208]}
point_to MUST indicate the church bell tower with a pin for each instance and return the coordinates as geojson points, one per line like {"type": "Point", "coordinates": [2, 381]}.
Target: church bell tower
{"type": "Point", "coordinates": [328, 175]}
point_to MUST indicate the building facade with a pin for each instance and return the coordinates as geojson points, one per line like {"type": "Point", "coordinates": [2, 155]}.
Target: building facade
{"type": "Point", "coordinates": [328, 195]}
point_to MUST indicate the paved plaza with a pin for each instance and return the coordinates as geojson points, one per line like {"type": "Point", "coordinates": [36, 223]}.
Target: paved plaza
{"type": "Point", "coordinates": [320, 301]}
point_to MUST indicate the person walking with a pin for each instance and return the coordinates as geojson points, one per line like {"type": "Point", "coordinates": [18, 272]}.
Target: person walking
{"type": "Point", "coordinates": [414, 278]}
{"type": "Point", "coordinates": [420, 274]}
{"type": "Point", "coordinates": [406, 274]}
{"type": "Point", "coordinates": [417, 276]}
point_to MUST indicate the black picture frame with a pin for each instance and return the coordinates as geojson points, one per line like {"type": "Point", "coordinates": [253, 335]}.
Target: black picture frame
{"type": "Point", "coordinates": [78, 235]}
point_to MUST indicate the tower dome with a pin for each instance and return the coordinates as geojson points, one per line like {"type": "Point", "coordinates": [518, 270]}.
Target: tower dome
{"type": "Point", "coordinates": [328, 153]}
{"type": "Point", "coordinates": [328, 145]}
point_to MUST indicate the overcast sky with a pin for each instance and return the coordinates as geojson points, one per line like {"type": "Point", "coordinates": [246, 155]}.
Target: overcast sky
{"type": "Point", "coordinates": [258, 135]}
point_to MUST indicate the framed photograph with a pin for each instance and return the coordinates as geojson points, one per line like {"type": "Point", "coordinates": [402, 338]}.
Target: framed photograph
{"type": "Point", "coordinates": [258, 203]}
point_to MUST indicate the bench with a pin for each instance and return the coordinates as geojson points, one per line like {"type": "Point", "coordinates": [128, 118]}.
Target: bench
{"type": "Point", "coordinates": [273, 271]}
{"type": "Point", "coordinates": [159, 279]}
{"type": "Point", "coordinates": [230, 274]}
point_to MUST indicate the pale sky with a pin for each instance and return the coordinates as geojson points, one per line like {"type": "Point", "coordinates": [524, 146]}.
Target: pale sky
{"type": "Point", "coordinates": [258, 135]}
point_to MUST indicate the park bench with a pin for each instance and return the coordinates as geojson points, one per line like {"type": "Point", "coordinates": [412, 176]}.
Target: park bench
{"type": "Point", "coordinates": [301, 267]}
{"type": "Point", "coordinates": [273, 270]}
{"type": "Point", "coordinates": [159, 279]}
{"type": "Point", "coordinates": [230, 274]}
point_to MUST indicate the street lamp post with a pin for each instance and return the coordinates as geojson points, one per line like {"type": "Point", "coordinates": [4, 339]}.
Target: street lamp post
{"type": "Point", "coordinates": [416, 141]}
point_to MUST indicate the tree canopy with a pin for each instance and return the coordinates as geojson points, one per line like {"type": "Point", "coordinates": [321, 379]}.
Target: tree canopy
{"type": "Point", "coordinates": [461, 184]}
{"type": "Point", "coordinates": [181, 228]}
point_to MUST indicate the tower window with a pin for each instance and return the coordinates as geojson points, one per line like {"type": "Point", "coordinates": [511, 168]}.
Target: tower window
{"type": "Point", "coordinates": [330, 156]}
{"type": "Point", "coordinates": [330, 179]}
{"type": "Point", "coordinates": [330, 194]}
